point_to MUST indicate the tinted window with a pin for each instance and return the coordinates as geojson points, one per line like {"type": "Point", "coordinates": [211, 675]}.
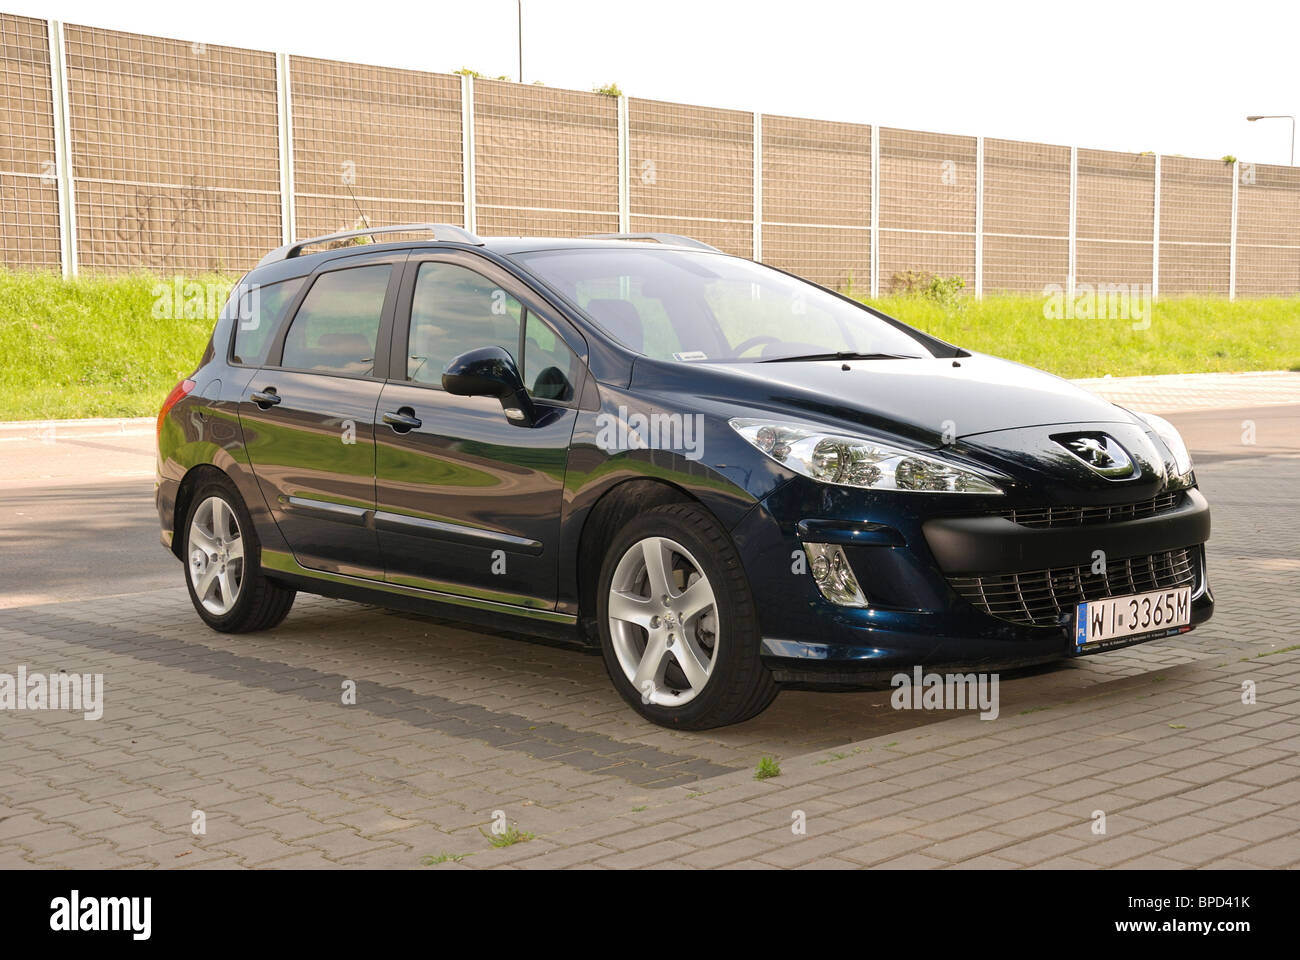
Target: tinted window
{"type": "Point", "coordinates": [550, 367]}
{"type": "Point", "coordinates": [336, 327]}
{"type": "Point", "coordinates": [676, 304]}
{"type": "Point", "coordinates": [456, 310]}
{"type": "Point", "coordinates": [259, 312]}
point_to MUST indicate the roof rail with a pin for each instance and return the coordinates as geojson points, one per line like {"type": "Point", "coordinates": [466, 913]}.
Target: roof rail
{"type": "Point", "coordinates": [674, 239]}
{"type": "Point", "coordinates": [441, 231]}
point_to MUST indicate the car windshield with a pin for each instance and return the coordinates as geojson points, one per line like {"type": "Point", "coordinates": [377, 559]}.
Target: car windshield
{"type": "Point", "coordinates": [691, 306]}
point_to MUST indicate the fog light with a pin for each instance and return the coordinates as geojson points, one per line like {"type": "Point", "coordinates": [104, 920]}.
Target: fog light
{"type": "Point", "coordinates": [833, 575]}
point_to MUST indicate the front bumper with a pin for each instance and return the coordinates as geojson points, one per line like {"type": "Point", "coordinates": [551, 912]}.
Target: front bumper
{"type": "Point", "coordinates": [910, 554]}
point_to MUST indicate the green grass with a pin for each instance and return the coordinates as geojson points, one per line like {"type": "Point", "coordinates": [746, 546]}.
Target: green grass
{"type": "Point", "coordinates": [509, 837]}
{"type": "Point", "coordinates": [766, 769]}
{"type": "Point", "coordinates": [92, 347]}
{"type": "Point", "coordinates": [1270, 653]}
{"type": "Point", "coordinates": [1186, 335]}
{"type": "Point", "coordinates": [432, 860]}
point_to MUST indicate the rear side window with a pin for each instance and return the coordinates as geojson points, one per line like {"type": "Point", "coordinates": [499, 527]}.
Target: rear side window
{"type": "Point", "coordinates": [259, 314]}
{"type": "Point", "coordinates": [335, 329]}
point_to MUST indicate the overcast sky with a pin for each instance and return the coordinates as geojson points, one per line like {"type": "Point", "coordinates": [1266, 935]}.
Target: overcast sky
{"type": "Point", "coordinates": [1133, 75]}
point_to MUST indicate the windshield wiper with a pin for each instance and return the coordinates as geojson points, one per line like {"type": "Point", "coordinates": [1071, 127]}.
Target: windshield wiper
{"type": "Point", "coordinates": [842, 355]}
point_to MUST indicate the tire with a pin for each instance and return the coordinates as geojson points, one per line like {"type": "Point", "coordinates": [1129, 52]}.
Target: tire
{"type": "Point", "coordinates": [223, 569]}
{"type": "Point", "coordinates": [690, 672]}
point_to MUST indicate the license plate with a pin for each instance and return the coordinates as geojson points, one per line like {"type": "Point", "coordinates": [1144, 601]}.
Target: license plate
{"type": "Point", "coordinates": [1101, 623]}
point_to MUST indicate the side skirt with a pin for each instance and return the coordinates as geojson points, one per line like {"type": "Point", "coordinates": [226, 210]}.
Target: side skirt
{"type": "Point", "coordinates": [497, 618]}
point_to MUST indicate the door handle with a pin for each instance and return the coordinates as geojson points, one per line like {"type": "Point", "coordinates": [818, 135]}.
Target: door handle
{"type": "Point", "coordinates": [403, 420]}
{"type": "Point", "coordinates": [266, 398]}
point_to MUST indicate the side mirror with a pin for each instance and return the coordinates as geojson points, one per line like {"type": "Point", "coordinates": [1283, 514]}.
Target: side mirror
{"type": "Point", "coordinates": [489, 372]}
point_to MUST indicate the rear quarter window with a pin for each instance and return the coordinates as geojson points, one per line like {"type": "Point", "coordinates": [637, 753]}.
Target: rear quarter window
{"type": "Point", "coordinates": [258, 315]}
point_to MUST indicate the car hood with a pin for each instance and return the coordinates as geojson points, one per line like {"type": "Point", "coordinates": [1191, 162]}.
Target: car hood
{"type": "Point", "coordinates": [926, 400]}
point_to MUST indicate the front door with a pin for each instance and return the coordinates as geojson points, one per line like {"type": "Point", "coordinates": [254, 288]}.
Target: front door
{"type": "Point", "coordinates": [467, 502]}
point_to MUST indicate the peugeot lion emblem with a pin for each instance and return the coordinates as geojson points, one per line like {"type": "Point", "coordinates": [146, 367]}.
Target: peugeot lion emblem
{"type": "Point", "coordinates": [1103, 454]}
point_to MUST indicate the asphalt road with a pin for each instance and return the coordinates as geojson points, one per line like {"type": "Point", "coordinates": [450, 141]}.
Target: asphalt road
{"type": "Point", "coordinates": [77, 518]}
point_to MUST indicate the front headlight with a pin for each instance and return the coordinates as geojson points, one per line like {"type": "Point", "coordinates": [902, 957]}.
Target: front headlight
{"type": "Point", "coordinates": [850, 461]}
{"type": "Point", "coordinates": [1172, 439]}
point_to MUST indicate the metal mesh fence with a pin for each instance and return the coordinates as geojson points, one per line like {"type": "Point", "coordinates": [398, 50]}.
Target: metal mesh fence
{"type": "Point", "coordinates": [1026, 216]}
{"type": "Point", "coordinates": [545, 161]}
{"type": "Point", "coordinates": [1268, 230]}
{"type": "Point", "coordinates": [817, 200]}
{"type": "Point", "coordinates": [179, 153]}
{"type": "Point", "coordinates": [174, 152]}
{"type": "Point", "coordinates": [373, 146]}
{"type": "Point", "coordinates": [1195, 225]}
{"type": "Point", "coordinates": [1115, 222]}
{"type": "Point", "coordinates": [927, 206]}
{"type": "Point", "coordinates": [692, 172]}
{"type": "Point", "coordinates": [29, 192]}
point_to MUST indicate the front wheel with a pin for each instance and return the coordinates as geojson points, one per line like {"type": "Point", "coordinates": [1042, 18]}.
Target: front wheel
{"type": "Point", "coordinates": [222, 568]}
{"type": "Point", "coordinates": [677, 624]}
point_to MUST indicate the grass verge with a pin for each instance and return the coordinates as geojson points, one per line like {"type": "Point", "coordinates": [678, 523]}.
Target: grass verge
{"type": "Point", "coordinates": [95, 347]}
{"type": "Point", "coordinates": [1186, 334]}
{"type": "Point", "coordinates": [92, 347]}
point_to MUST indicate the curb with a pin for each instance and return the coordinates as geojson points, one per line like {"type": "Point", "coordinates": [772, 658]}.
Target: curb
{"type": "Point", "coordinates": [48, 430]}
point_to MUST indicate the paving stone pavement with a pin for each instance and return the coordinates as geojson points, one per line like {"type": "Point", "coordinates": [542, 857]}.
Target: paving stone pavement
{"type": "Point", "coordinates": [1170, 393]}
{"type": "Point", "coordinates": [451, 726]}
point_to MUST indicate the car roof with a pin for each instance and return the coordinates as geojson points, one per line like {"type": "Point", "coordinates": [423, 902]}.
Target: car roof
{"type": "Point", "coordinates": [514, 245]}
{"type": "Point", "coordinates": [271, 271]}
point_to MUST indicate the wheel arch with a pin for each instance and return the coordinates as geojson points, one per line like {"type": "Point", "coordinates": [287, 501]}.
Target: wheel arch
{"type": "Point", "coordinates": [193, 479]}
{"type": "Point", "coordinates": [245, 484]}
{"type": "Point", "coordinates": [615, 507]}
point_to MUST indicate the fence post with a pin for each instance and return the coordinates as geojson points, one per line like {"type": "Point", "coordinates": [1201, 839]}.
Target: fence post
{"type": "Point", "coordinates": [467, 144]}
{"type": "Point", "coordinates": [62, 151]}
{"type": "Point", "coordinates": [875, 211]}
{"type": "Point", "coordinates": [285, 109]}
{"type": "Point", "coordinates": [1155, 239]}
{"type": "Point", "coordinates": [758, 186]}
{"type": "Point", "coordinates": [979, 218]}
{"type": "Point", "coordinates": [1074, 219]}
{"type": "Point", "coordinates": [624, 188]}
{"type": "Point", "coordinates": [1232, 239]}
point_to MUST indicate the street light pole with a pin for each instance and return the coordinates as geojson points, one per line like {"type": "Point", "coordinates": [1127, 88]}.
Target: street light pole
{"type": "Point", "coordinates": [1279, 116]}
{"type": "Point", "coordinates": [519, 7]}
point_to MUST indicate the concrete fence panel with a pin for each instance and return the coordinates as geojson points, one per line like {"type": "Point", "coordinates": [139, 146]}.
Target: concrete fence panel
{"type": "Point", "coordinates": [175, 162]}
{"type": "Point", "coordinates": [29, 192]}
{"type": "Point", "coordinates": [816, 200]}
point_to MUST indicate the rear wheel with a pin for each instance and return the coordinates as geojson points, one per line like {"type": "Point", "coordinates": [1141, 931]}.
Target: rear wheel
{"type": "Point", "coordinates": [222, 564]}
{"type": "Point", "coordinates": [678, 629]}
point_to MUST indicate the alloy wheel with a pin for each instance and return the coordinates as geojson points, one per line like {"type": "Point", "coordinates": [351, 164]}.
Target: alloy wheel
{"type": "Point", "coordinates": [663, 620]}
{"type": "Point", "coordinates": [216, 556]}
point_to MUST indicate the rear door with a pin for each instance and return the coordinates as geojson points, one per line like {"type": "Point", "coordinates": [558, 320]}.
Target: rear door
{"type": "Point", "coordinates": [467, 502]}
{"type": "Point", "coordinates": [309, 414]}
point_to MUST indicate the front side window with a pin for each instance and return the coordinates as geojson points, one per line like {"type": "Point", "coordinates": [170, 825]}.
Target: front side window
{"type": "Point", "coordinates": [550, 367]}
{"type": "Point", "coordinates": [258, 315]}
{"type": "Point", "coordinates": [684, 305]}
{"type": "Point", "coordinates": [335, 329]}
{"type": "Point", "coordinates": [456, 310]}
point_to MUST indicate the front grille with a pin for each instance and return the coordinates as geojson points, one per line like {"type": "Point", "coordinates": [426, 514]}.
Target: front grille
{"type": "Point", "coordinates": [1083, 516]}
{"type": "Point", "coordinates": [1041, 598]}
